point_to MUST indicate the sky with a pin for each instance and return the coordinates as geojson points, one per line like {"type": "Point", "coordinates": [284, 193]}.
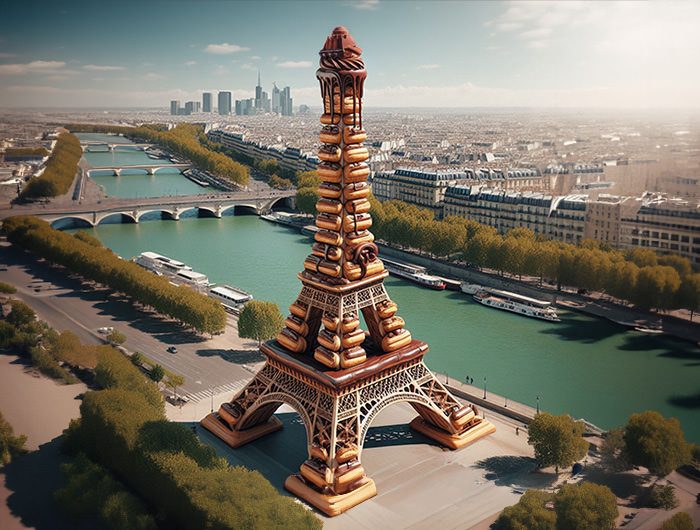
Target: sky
{"type": "Point", "coordinates": [563, 54]}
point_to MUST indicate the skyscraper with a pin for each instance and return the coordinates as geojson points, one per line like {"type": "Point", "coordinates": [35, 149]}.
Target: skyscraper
{"type": "Point", "coordinates": [174, 107]}
{"type": "Point", "coordinates": [275, 99]}
{"type": "Point", "coordinates": [206, 102]}
{"type": "Point", "coordinates": [286, 102]}
{"type": "Point", "coordinates": [258, 94]}
{"type": "Point", "coordinates": [224, 103]}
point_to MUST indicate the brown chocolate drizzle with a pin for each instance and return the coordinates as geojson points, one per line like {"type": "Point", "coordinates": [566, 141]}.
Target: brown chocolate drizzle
{"type": "Point", "coordinates": [342, 69]}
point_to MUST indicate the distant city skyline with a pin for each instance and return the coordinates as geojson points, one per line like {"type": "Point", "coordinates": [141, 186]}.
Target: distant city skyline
{"type": "Point", "coordinates": [611, 54]}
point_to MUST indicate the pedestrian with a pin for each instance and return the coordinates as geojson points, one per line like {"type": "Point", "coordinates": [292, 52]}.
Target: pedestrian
{"type": "Point", "coordinates": [467, 379]}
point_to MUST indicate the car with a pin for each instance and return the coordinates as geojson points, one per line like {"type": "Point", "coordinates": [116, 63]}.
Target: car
{"type": "Point", "coordinates": [106, 330]}
{"type": "Point", "coordinates": [172, 349]}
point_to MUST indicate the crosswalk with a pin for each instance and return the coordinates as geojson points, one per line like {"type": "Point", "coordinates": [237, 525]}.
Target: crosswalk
{"type": "Point", "coordinates": [231, 388]}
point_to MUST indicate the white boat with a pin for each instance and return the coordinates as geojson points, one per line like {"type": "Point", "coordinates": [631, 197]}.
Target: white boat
{"type": "Point", "coordinates": [414, 273]}
{"type": "Point", "coordinates": [516, 303]}
{"type": "Point", "coordinates": [470, 288]}
{"type": "Point", "coordinates": [232, 298]}
{"type": "Point", "coordinates": [177, 272]}
{"type": "Point", "coordinates": [310, 230]}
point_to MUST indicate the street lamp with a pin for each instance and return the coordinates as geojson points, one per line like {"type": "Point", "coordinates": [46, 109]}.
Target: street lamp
{"type": "Point", "coordinates": [538, 404]}
{"type": "Point", "coordinates": [212, 399]}
{"type": "Point", "coordinates": [484, 387]}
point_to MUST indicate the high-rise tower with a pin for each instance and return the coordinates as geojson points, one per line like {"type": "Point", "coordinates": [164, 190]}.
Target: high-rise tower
{"type": "Point", "coordinates": [344, 353]}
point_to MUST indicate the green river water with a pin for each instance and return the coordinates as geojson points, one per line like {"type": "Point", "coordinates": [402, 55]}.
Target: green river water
{"type": "Point", "coordinates": [584, 366]}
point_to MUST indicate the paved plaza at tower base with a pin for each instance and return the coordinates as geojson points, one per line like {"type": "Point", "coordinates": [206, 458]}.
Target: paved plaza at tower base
{"type": "Point", "coordinates": [419, 483]}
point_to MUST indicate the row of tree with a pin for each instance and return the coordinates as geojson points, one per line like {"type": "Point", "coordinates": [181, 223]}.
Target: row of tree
{"type": "Point", "coordinates": [123, 427]}
{"type": "Point", "coordinates": [185, 139]}
{"type": "Point", "coordinates": [25, 151]}
{"type": "Point", "coordinates": [100, 264]}
{"type": "Point", "coordinates": [60, 170]}
{"type": "Point", "coordinates": [639, 276]}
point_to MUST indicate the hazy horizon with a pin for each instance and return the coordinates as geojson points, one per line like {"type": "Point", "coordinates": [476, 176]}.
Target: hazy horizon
{"type": "Point", "coordinates": [419, 54]}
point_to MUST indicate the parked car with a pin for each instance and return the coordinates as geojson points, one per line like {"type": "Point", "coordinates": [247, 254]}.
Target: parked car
{"type": "Point", "coordinates": [172, 349]}
{"type": "Point", "coordinates": [106, 330]}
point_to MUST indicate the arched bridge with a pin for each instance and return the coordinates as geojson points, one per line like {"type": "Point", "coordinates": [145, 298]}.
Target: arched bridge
{"type": "Point", "coordinates": [91, 145]}
{"type": "Point", "coordinates": [132, 210]}
{"type": "Point", "coordinates": [150, 169]}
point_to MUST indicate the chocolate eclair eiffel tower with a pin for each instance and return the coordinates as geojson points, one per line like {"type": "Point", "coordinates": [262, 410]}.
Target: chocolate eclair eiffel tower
{"type": "Point", "coordinates": [343, 275]}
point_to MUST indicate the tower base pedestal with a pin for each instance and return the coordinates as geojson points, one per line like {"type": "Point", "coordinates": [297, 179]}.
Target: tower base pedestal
{"type": "Point", "coordinates": [331, 504]}
{"type": "Point", "coordinates": [453, 441]}
{"type": "Point", "coordinates": [236, 438]}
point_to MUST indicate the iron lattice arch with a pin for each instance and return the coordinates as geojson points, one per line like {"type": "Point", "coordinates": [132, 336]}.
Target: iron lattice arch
{"type": "Point", "coordinates": [353, 410]}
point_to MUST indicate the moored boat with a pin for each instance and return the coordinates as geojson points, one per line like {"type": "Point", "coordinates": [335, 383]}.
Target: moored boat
{"type": "Point", "coordinates": [414, 273]}
{"type": "Point", "coordinates": [469, 288]}
{"type": "Point", "coordinates": [178, 272]}
{"type": "Point", "coordinates": [232, 298]}
{"type": "Point", "coordinates": [516, 303]}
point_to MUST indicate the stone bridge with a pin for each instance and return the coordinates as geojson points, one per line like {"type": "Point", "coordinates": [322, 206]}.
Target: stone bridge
{"type": "Point", "coordinates": [91, 145]}
{"type": "Point", "coordinates": [150, 169]}
{"type": "Point", "coordinates": [132, 210]}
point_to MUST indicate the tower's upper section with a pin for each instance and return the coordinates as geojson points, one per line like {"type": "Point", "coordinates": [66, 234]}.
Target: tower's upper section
{"type": "Point", "coordinates": [342, 70]}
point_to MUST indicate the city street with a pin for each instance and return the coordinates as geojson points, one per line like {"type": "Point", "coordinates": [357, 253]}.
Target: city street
{"type": "Point", "coordinates": [222, 362]}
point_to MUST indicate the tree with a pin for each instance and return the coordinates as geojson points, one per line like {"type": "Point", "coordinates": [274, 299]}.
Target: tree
{"type": "Point", "coordinates": [116, 337]}
{"type": "Point", "coordinates": [306, 200]}
{"type": "Point", "coordinates": [612, 453]}
{"type": "Point", "coordinates": [157, 373]}
{"type": "Point", "coordinates": [557, 440]}
{"type": "Point", "coordinates": [680, 521]}
{"type": "Point", "coordinates": [260, 321]}
{"type": "Point", "coordinates": [173, 382]}
{"type": "Point", "coordinates": [655, 442]}
{"type": "Point", "coordinates": [21, 314]}
{"type": "Point", "coordinates": [7, 288]}
{"type": "Point", "coordinates": [11, 446]}
{"type": "Point", "coordinates": [656, 496]}
{"type": "Point", "coordinates": [530, 513]}
{"type": "Point", "coordinates": [586, 506]}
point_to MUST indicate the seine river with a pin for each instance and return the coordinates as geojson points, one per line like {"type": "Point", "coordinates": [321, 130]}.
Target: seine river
{"type": "Point", "coordinates": [584, 366]}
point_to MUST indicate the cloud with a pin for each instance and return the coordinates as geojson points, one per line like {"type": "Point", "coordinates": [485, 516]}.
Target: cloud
{"type": "Point", "coordinates": [428, 66]}
{"type": "Point", "coordinates": [225, 48]}
{"type": "Point", "coordinates": [5, 55]}
{"type": "Point", "coordinates": [221, 70]}
{"type": "Point", "coordinates": [98, 78]}
{"type": "Point", "coordinates": [295, 64]}
{"type": "Point", "coordinates": [536, 33]}
{"type": "Point", "coordinates": [370, 5]}
{"type": "Point", "coordinates": [36, 67]}
{"type": "Point", "coordinates": [152, 76]}
{"type": "Point", "coordinates": [247, 66]}
{"type": "Point", "coordinates": [255, 58]}
{"type": "Point", "coordinates": [274, 58]}
{"type": "Point", "coordinates": [98, 68]}
{"type": "Point", "coordinates": [509, 26]}
{"type": "Point", "coordinates": [190, 63]}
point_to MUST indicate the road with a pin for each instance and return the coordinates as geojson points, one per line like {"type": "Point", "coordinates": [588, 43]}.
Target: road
{"type": "Point", "coordinates": [208, 364]}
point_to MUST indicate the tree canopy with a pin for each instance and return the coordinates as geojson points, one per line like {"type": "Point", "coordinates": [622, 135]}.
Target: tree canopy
{"type": "Point", "coordinates": [556, 439]}
{"type": "Point", "coordinates": [60, 170]}
{"type": "Point", "coordinates": [680, 521]}
{"type": "Point", "coordinates": [655, 442]}
{"type": "Point", "coordinates": [260, 321]}
{"type": "Point", "coordinates": [530, 513]}
{"type": "Point", "coordinates": [586, 506]}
